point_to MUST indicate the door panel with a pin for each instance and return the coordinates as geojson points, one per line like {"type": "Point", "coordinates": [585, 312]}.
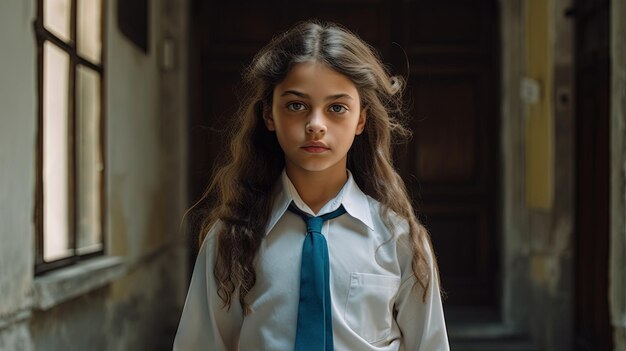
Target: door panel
{"type": "Point", "coordinates": [451, 164]}
{"type": "Point", "coordinates": [445, 145]}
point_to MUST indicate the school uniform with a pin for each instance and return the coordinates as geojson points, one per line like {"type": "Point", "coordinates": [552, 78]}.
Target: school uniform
{"type": "Point", "coordinates": [374, 305]}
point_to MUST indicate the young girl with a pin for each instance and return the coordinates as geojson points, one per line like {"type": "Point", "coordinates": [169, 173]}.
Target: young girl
{"type": "Point", "coordinates": [312, 243]}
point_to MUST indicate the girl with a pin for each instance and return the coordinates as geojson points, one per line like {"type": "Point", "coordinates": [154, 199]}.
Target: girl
{"type": "Point", "coordinates": [312, 243]}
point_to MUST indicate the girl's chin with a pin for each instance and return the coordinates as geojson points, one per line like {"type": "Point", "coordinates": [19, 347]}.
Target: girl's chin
{"type": "Point", "coordinates": [319, 168]}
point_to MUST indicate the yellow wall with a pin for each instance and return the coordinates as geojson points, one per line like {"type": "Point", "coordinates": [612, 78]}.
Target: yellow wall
{"type": "Point", "coordinates": [539, 122]}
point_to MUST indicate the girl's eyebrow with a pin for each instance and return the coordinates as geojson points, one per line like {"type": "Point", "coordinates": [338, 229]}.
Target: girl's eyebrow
{"type": "Point", "coordinates": [306, 96]}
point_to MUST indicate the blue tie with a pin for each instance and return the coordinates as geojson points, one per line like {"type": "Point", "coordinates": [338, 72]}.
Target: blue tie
{"type": "Point", "coordinates": [315, 320]}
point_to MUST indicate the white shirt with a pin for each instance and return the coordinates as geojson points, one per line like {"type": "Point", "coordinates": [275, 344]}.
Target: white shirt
{"type": "Point", "coordinates": [374, 305]}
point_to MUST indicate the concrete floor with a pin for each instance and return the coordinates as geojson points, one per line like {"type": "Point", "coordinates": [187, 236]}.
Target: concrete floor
{"type": "Point", "coordinates": [480, 329]}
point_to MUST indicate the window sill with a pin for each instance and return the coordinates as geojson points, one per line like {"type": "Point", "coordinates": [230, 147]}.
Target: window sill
{"type": "Point", "coordinates": [64, 284]}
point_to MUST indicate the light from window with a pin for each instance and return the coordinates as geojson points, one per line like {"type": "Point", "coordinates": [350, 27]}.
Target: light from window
{"type": "Point", "coordinates": [57, 18]}
{"type": "Point", "coordinates": [70, 183]}
{"type": "Point", "coordinates": [56, 161]}
{"type": "Point", "coordinates": [89, 28]}
{"type": "Point", "coordinates": [89, 160]}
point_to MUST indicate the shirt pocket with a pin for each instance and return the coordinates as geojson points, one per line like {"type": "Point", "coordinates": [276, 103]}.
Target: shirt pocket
{"type": "Point", "coordinates": [369, 305]}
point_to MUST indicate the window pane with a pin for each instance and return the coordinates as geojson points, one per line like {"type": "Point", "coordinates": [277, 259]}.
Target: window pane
{"type": "Point", "coordinates": [57, 243]}
{"type": "Point", "coordinates": [90, 164]}
{"type": "Point", "coordinates": [57, 17]}
{"type": "Point", "coordinates": [89, 29]}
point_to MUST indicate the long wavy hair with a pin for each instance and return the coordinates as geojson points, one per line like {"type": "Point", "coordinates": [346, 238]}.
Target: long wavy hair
{"type": "Point", "coordinates": [240, 193]}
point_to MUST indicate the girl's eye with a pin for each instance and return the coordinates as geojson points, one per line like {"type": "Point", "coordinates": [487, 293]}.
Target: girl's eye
{"type": "Point", "coordinates": [338, 109]}
{"type": "Point", "coordinates": [295, 106]}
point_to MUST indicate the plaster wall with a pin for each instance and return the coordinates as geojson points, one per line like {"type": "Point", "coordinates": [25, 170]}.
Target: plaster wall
{"type": "Point", "coordinates": [145, 201]}
{"type": "Point", "coordinates": [617, 277]}
{"type": "Point", "coordinates": [551, 229]}
{"type": "Point", "coordinates": [537, 239]}
{"type": "Point", "coordinates": [138, 312]}
{"type": "Point", "coordinates": [136, 196]}
{"type": "Point", "coordinates": [17, 170]}
{"type": "Point", "coordinates": [145, 109]}
{"type": "Point", "coordinates": [515, 243]}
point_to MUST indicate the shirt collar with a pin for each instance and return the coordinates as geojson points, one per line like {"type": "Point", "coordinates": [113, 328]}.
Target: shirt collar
{"type": "Point", "coordinates": [350, 196]}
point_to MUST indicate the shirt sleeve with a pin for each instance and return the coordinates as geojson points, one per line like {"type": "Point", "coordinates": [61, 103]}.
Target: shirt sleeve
{"type": "Point", "coordinates": [205, 323]}
{"type": "Point", "coordinates": [421, 322]}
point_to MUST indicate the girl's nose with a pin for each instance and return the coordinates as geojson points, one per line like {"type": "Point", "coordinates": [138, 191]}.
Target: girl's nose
{"type": "Point", "coordinates": [316, 124]}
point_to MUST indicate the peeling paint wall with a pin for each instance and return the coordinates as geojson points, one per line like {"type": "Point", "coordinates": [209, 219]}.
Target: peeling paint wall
{"type": "Point", "coordinates": [146, 189]}
{"type": "Point", "coordinates": [538, 243]}
{"type": "Point", "coordinates": [537, 240]}
{"type": "Point", "coordinates": [17, 170]}
{"type": "Point", "coordinates": [551, 229]}
{"type": "Point", "coordinates": [515, 244]}
{"type": "Point", "coordinates": [138, 312]}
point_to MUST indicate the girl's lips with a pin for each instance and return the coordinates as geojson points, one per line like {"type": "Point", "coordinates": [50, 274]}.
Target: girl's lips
{"type": "Point", "coordinates": [315, 149]}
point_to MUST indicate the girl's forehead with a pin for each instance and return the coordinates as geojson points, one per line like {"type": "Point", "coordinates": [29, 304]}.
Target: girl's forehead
{"type": "Point", "coordinates": [313, 78]}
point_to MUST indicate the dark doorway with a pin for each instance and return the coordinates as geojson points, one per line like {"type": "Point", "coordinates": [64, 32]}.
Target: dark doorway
{"type": "Point", "coordinates": [451, 164]}
{"type": "Point", "coordinates": [593, 329]}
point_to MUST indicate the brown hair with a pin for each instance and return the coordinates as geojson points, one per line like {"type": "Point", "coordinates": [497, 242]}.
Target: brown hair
{"type": "Point", "coordinates": [242, 188]}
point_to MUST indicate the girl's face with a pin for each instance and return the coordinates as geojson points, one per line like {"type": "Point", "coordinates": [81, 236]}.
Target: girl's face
{"type": "Point", "coordinates": [316, 114]}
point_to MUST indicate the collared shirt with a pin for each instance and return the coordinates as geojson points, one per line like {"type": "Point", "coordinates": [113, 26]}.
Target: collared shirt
{"type": "Point", "coordinates": [374, 304]}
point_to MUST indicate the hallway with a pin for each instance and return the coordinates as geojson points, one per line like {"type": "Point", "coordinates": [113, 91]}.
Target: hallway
{"type": "Point", "coordinates": [115, 114]}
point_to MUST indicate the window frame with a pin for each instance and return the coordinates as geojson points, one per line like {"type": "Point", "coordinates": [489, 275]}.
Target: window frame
{"type": "Point", "coordinates": [42, 36]}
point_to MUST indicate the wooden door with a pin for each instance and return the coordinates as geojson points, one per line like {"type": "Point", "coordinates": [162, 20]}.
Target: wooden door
{"type": "Point", "coordinates": [451, 165]}
{"type": "Point", "coordinates": [593, 329]}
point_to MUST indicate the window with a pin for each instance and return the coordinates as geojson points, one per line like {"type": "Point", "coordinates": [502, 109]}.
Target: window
{"type": "Point", "coordinates": [70, 162]}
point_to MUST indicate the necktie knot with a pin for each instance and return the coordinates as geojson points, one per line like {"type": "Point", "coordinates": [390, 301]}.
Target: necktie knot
{"type": "Point", "coordinates": [314, 224]}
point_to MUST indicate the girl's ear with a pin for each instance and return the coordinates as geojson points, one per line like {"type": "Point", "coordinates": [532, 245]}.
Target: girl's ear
{"type": "Point", "coordinates": [362, 119]}
{"type": "Point", "coordinates": [268, 119]}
